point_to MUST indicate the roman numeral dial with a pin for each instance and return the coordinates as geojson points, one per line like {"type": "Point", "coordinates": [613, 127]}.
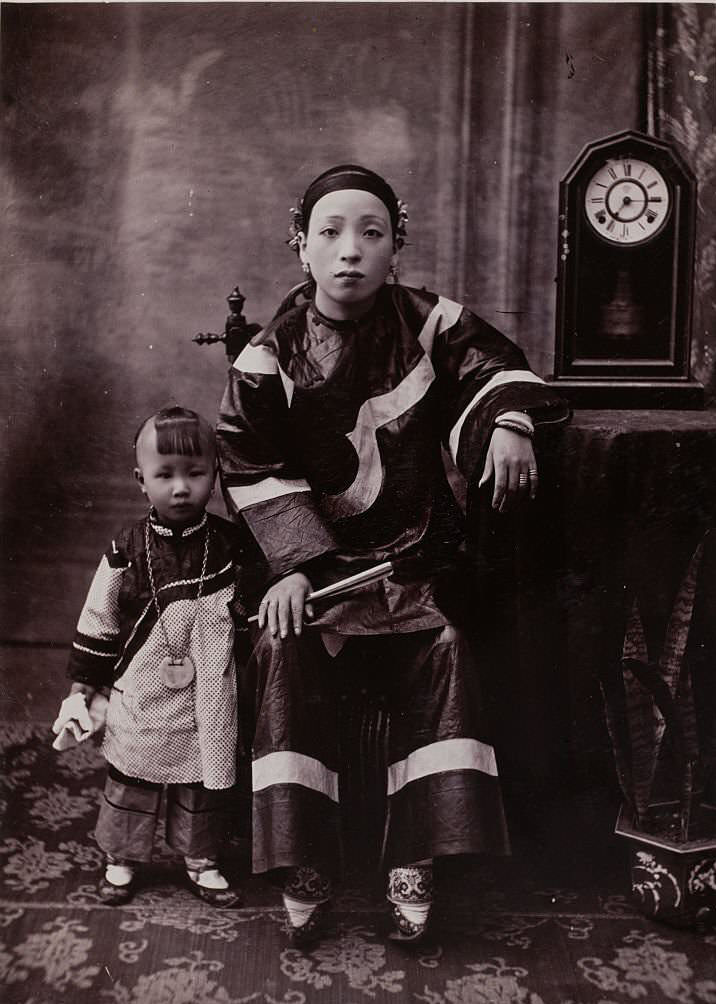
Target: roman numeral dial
{"type": "Point", "coordinates": [627, 201]}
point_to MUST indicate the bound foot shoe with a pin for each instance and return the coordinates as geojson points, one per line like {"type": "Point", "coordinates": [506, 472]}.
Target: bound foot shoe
{"type": "Point", "coordinates": [306, 896]}
{"type": "Point", "coordinates": [211, 887]}
{"type": "Point", "coordinates": [117, 885]}
{"type": "Point", "coordinates": [309, 931]}
{"type": "Point", "coordinates": [410, 893]}
{"type": "Point", "coordinates": [407, 930]}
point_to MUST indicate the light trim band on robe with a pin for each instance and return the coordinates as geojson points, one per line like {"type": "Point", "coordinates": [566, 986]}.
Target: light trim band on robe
{"type": "Point", "coordinates": [256, 359]}
{"type": "Point", "coordinates": [288, 385]}
{"type": "Point", "coordinates": [93, 651]}
{"type": "Point", "coordinates": [448, 754]}
{"type": "Point", "coordinates": [382, 409]}
{"type": "Point", "coordinates": [505, 376]}
{"type": "Point", "coordinates": [190, 582]}
{"type": "Point", "coordinates": [260, 360]}
{"type": "Point", "coordinates": [244, 496]}
{"type": "Point", "coordinates": [98, 618]}
{"type": "Point", "coordinates": [288, 767]}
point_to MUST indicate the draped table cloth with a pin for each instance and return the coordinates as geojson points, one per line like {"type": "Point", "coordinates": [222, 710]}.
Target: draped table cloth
{"type": "Point", "coordinates": [625, 498]}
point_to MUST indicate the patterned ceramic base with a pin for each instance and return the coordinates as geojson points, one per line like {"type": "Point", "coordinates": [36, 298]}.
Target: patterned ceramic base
{"type": "Point", "coordinates": [507, 932]}
{"type": "Point", "coordinates": [675, 883]}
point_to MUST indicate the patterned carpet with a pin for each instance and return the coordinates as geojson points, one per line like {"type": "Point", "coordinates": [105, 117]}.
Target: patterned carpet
{"type": "Point", "coordinates": [541, 928]}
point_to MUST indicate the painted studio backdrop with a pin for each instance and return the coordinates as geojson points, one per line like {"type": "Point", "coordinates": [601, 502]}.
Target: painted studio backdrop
{"type": "Point", "coordinates": [152, 153]}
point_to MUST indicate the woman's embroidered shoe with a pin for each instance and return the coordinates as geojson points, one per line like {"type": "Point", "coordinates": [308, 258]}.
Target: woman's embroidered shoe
{"type": "Point", "coordinates": [410, 893]}
{"type": "Point", "coordinates": [407, 930]}
{"type": "Point", "coordinates": [311, 930]}
{"type": "Point", "coordinates": [306, 901]}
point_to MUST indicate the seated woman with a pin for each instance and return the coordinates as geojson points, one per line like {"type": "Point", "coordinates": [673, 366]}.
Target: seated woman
{"type": "Point", "coordinates": [330, 436]}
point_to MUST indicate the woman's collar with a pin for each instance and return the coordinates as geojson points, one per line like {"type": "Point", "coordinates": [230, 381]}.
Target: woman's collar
{"type": "Point", "coordinates": [348, 324]}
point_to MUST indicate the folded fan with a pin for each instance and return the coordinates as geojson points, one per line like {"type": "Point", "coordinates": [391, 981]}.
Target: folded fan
{"type": "Point", "coordinates": [347, 585]}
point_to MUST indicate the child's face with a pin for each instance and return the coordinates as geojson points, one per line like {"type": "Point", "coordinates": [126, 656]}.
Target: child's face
{"type": "Point", "coordinates": [178, 486]}
{"type": "Point", "coordinates": [349, 247]}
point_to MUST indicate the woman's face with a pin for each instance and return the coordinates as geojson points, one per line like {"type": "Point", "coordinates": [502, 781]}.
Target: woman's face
{"type": "Point", "coordinates": [350, 249]}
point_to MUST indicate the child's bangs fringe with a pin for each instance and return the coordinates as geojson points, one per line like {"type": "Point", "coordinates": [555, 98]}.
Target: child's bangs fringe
{"type": "Point", "coordinates": [179, 435]}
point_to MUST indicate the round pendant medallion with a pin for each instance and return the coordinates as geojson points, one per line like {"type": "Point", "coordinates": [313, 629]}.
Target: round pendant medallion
{"type": "Point", "coordinates": [176, 673]}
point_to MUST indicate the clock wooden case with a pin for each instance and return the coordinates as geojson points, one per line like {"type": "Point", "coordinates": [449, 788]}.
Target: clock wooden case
{"type": "Point", "coordinates": [625, 276]}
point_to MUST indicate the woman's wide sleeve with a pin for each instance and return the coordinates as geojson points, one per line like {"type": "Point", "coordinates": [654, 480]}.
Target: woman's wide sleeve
{"type": "Point", "coordinates": [262, 483]}
{"type": "Point", "coordinates": [97, 642]}
{"type": "Point", "coordinates": [484, 375]}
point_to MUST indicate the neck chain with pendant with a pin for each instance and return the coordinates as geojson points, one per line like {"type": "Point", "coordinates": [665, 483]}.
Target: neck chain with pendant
{"type": "Point", "coordinates": [176, 670]}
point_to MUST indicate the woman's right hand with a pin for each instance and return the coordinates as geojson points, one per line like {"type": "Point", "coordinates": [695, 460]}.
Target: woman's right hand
{"type": "Point", "coordinates": [284, 605]}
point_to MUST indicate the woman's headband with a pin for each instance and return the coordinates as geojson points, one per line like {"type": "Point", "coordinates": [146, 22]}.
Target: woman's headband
{"type": "Point", "coordinates": [350, 176]}
{"type": "Point", "coordinates": [337, 179]}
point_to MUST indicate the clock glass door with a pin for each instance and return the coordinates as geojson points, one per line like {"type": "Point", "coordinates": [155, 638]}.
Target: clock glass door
{"type": "Point", "coordinates": [625, 305]}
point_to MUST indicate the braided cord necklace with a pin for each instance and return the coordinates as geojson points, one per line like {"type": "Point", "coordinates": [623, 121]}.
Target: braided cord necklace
{"type": "Point", "coordinates": [175, 670]}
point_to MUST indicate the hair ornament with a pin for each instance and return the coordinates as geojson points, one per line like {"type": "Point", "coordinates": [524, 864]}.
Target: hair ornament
{"type": "Point", "coordinates": [295, 227]}
{"type": "Point", "coordinates": [401, 227]}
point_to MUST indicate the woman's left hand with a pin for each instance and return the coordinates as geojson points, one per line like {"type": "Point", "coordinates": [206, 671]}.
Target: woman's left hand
{"type": "Point", "coordinates": [511, 460]}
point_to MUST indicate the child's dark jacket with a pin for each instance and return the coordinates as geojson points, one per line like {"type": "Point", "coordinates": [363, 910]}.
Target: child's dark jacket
{"type": "Point", "coordinates": [157, 734]}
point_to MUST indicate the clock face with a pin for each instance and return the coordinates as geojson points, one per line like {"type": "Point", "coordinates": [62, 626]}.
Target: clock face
{"type": "Point", "coordinates": [627, 201]}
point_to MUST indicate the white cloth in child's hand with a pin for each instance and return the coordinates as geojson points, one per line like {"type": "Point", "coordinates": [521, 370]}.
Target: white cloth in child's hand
{"type": "Point", "coordinates": [75, 722]}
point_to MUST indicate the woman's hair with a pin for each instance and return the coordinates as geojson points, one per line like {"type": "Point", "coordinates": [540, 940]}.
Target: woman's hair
{"type": "Point", "coordinates": [180, 431]}
{"type": "Point", "coordinates": [344, 176]}
{"type": "Point", "coordinates": [336, 179]}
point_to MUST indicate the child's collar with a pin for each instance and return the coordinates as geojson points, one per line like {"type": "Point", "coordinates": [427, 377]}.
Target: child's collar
{"type": "Point", "coordinates": [168, 531]}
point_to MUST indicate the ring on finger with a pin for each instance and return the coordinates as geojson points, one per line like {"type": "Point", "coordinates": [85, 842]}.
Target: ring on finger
{"type": "Point", "coordinates": [533, 472]}
{"type": "Point", "coordinates": [523, 479]}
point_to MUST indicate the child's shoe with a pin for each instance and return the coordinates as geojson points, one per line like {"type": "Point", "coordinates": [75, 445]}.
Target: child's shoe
{"type": "Point", "coordinates": [206, 881]}
{"type": "Point", "coordinates": [410, 893]}
{"type": "Point", "coordinates": [306, 902]}
{"type": "Point", "coordinates": [117, 885]}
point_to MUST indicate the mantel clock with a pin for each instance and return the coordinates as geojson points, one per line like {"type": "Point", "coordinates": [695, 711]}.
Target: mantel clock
{"type": "Point", "coordinates": [625, 276]}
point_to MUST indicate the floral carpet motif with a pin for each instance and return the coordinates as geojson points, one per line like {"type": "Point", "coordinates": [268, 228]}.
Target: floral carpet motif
{"type": "Point", "coordinates": [507, 932]}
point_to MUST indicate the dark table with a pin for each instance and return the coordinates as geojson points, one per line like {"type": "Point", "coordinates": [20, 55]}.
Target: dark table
{"type": "Point", "coordinates": [625, 498]}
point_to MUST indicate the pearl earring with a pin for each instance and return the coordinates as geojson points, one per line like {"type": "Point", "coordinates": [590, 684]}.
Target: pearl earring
{"type": "Point", "coordinates": [393, 272]}
{"type": "Point", "coordinates": [306, 268]}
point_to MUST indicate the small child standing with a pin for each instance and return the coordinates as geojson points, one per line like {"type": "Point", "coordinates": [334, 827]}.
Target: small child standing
{"type": "Point", "coordinates": [156, 635]}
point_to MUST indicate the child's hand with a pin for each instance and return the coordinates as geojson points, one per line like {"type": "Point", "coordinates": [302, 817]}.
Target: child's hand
{"type": "Point", "coordinates": [73, 721]}
{"type": "Point", "coordinates": [81, 714]}
{"type": "Point", "coordinates": [284, 605]}
{"type": "Point", "coordinates": [510, 458]}
{"type": "Point", "coordinates": [83, 688]}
